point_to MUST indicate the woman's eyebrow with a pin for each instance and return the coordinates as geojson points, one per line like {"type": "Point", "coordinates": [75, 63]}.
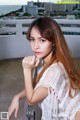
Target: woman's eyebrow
{"type": "Point", "coordinates": [38, 37]}
{"type": "Point", "coordinates": [31, 37]}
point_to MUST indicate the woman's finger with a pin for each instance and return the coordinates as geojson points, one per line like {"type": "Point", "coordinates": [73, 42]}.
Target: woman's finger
{"type": "Point", "coordinates": [10, 112]}
{"type": "Point", "coordinates": [37, 62]}
{"type": "Point", "coordinates": [16, 112]}
{"type": "Point", "coordinates": [33, 60]}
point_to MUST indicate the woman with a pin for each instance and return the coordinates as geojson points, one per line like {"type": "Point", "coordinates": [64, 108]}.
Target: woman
{"type": "Point", "coordinates": [56, 85]}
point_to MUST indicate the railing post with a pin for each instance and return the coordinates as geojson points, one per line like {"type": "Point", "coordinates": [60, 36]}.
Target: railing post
{"type": "Point", "coordinates": [19, 29]}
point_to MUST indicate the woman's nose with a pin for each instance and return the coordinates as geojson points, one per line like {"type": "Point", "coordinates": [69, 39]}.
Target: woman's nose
{"type": "Point", "coordinates": [36, 45]}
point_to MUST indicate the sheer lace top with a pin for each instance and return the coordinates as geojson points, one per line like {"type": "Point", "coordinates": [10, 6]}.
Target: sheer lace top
{"type": "Point", "coordinates": [58, 105]}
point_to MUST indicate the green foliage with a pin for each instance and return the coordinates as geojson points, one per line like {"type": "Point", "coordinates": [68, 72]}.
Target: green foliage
{"type": "Point", "coordinates": [17, 14]}
{"type": "Point", "coordinates": [26, 14]}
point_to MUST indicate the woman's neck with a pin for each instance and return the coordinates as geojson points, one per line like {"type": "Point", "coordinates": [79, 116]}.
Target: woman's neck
{"type": "Point", "coordinates": [47, 59]}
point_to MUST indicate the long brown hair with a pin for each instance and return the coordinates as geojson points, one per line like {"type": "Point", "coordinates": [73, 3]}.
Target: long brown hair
{"type": "Point", "coordinates": [50, 30]}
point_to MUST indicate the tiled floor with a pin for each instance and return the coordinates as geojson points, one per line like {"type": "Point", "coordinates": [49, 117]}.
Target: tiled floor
{"type": "Point", "coordinates": [11, 82]}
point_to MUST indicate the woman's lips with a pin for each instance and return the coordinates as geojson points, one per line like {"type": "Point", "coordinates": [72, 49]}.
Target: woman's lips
{"type": "Point", "coordinates": [37, 53]}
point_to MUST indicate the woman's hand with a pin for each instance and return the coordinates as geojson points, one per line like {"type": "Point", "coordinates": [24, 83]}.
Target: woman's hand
{"type": "Point", "coordinates": [30, 62]}
{"type": "Point", "coordinates": [14, 107]}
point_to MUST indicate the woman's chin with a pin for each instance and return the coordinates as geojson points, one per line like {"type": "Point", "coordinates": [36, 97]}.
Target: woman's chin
{"type": "Point", "coordinates": [38, 56]}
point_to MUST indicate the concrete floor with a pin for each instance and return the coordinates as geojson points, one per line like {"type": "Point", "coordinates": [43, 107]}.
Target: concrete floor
{"type": "Point", "coordinates": [11, 82]}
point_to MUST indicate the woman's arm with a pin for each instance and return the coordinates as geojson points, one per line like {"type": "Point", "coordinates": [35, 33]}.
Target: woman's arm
{"type": "Point", "coordinates": [14, 106]}
{"type": "Point", "coordinates": [21, 94]}
{"type": "Point", "coordinates": [77, 117]}
{"type": "Point", "coordinates": [33, 96]}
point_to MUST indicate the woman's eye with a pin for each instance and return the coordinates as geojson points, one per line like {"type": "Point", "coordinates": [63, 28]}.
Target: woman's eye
{"type": "Point", "coordinates": [42, 40]}
{"type": "Point", "coordinates": [31, 39]}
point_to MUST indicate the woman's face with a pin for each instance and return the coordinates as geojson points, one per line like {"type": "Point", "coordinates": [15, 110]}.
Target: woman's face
{"type": "Point", "coordinates": [41, 47]}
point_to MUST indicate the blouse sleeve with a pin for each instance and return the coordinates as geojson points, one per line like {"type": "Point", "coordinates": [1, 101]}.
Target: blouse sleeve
{"type": "Point", "coordinates": [50, 77]}
{"type": "Point", "coordinates": [76, 105]}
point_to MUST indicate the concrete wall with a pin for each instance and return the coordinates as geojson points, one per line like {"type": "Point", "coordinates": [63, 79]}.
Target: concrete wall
{"type": "Point", "coordinates": [16, 46]}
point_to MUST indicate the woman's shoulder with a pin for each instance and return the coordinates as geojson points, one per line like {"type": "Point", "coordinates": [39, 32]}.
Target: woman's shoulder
{"type": "Point", "coordinates": [53, 72]}
{"type": "Point", "coordinates": [53, 68]}
{"type": "Point", "coordinates": [56, 66]}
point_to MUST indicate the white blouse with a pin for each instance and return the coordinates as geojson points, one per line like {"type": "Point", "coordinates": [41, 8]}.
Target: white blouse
{"type": "Point", "coordinates": [58, 105]}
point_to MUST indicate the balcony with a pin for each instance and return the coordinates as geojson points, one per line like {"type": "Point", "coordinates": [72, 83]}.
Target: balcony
{"type": "Point", "coordinates": [13, 43]}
